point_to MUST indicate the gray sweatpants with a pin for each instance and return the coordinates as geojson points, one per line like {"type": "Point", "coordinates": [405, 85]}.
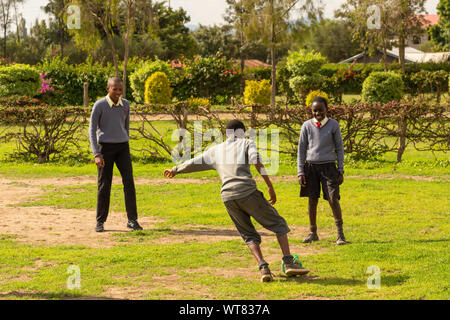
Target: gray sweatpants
{"type": "Point", "coordinates": [256, 206]}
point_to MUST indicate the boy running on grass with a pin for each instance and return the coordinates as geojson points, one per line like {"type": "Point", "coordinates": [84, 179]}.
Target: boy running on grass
{"type": "Point", "coordinates": [232, 160]}
{"type": "Point", "coordinates": [319, 147]}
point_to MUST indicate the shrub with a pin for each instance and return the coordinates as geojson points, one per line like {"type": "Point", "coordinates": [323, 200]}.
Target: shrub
{"type": "Point", "coordinates": [195, 103]}
{"type": "Point", "coordinates": [302, 85]}
{"type": "Point", "coordinates": [157, 89]}
{"type": "Point", "coordinates": [304, 67]}
{"type": "Point", "coordinates": [314, 94]}
{"type": "Point", "coordinates": [19, 79]}
{"type": "Point", "coordinates": [68, 80]}
{"type": "Point", "coordinates": [209, 77]}
{"type": "Point", "coordinates": [257, 92]}
{"type": "Point", "coordinates": [139, 77]}
{"type": "Point", "coordinates": [45, 132]}
{"type": "Point", "coordinates": [383, 87]}
{"type": "Point", "coordinates": [305, 62]}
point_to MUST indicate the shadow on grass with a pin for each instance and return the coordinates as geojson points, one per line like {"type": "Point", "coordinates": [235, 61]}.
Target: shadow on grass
{"type": "Point", "coordinates": [386, 280]}
{"type": "Point", "coordinates": [332, 281]}
{"type": "Point", "coordinates": [409, 240]}
{"type": "Point", "coordinates": [50, 296]}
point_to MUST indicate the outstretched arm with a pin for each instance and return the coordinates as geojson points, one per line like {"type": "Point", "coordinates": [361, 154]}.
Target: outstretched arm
{"type": "Point", "coordinates": [200, 163]}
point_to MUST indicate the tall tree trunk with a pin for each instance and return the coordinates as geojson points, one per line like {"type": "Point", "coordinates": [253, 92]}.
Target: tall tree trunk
{"type": "Point", "coordinates": [127, 49]}
{"type": "Point", "coordinates": [272, 54]}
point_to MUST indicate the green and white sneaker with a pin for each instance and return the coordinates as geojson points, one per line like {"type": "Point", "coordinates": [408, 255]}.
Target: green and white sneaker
{"type": "Point", "coordinates": [292, 266]}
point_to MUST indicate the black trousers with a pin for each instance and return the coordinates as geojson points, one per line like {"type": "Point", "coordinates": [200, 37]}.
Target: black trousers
{"type": "Point", "coordinates": [118, 153]}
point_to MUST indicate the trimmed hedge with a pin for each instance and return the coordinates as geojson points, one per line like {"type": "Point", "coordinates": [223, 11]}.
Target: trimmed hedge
{"type": "Point", "coordinates": [19, 79]}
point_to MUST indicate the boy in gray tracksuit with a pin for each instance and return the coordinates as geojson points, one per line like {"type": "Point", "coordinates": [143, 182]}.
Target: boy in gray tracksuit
{"type": "Point", "coordinates": [232, 160]}
{"type": "Point", "coordinates": [320, 146]}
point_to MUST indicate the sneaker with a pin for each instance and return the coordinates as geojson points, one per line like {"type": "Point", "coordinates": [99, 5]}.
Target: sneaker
{"type": "Point", "coordinates": [341, 239]}
{"type": "Point", "coordinates": [293, 267]}
{"type": "Point", "coordinates": [311, 237]}
{"type": "Point", "coordinates": [134, 225]}
{"type": "Point", "coordinates": [266, 275]}
{"type": "Point", "coordinates": [99, 227]}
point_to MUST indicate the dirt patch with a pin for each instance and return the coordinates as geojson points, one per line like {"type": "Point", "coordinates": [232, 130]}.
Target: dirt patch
{"type": "Point", "coordinates": [83, 180]}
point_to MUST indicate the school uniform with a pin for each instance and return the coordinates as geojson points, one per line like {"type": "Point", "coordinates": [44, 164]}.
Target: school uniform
{"type": "Point", "coordinates": [109, 131]}
{"type": "Point", "coordinates": [320, 148]}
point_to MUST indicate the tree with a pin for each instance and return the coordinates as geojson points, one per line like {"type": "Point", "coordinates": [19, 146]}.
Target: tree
{"type": "Point", "coordinates": [7, 18]}
{"type": "Point", "coordinates": [440, 33]}
{"type": "Point", "coordinates": [56, 8]}
{"type": "Point", "coordinates": [269, 20]}
{"type": "Point", "coordinates": [407, 23]}
{"type": "Point", "coordinates": [398, 21]}
{"type": "Point", "coordinates": [332, 38]}
{"type": "Point", "coordinates": [215, 39]}
{"type": "Point", "coordinates": [115, 19]}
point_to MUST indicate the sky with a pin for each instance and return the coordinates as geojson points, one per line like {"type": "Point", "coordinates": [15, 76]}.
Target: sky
{"type": "Point", "coordinates": [205, 12]}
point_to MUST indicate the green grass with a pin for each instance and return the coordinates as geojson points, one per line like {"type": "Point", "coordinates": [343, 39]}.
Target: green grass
{"type": "Point", "coordinates": [399, 225]}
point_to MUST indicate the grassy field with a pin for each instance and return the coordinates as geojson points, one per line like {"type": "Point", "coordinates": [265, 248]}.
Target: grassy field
{"type": "Point", "coordinates": [395, 215]}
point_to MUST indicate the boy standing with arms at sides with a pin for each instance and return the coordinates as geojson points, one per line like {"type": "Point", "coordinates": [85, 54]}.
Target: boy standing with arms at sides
{"type": "Point", "coordinates": [109, 132]}
{"type": "Point", "coordinates": [232, 160]}
{"type": "Point", "coordinates": [319, 148]}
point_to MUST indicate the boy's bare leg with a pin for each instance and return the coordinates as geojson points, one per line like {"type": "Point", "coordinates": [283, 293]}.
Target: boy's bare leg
{"type": "Point", "coordinates": [255, 248]}
{"type": "Point", "coordinates": [312, 211]}
{"type": "Point", "coordinates": [337, 213]}
{"type": "Point", "coordinates": [284, 245]}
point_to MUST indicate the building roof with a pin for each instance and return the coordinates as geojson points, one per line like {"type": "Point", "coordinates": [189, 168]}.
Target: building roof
{"type": "Point", "coordinates": [411, 55]}
{"type": "Point", "coordinates": [254, 63]}
{"type": "Point", "coordinates": [430, 20]}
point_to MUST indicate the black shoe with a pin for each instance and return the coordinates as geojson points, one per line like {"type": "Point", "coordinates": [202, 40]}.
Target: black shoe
{"type": "Point", "coordinates": [311, 237]}
{"type": "Point", "coordinates": [99, 227]}
{"type": "Point", "coordinates": [134, 225]}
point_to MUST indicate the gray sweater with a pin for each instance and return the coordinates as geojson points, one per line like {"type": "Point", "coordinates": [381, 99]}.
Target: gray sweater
{"type": "Point", "coordinates": [232, 160]}
{"type": "Point", "coordinates": [319, 146]}
{"type": "Point", "coordinates": [109, 124]}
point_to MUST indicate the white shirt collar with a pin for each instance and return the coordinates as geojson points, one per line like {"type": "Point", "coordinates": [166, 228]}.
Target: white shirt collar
{"type": "Point", "coordinates": [111, 103]}
{"type": "Point", "coordinates": [322, 123]}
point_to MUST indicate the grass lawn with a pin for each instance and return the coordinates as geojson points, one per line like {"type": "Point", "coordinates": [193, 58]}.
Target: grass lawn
{"type": "Point", "coordinates": [395, 215]}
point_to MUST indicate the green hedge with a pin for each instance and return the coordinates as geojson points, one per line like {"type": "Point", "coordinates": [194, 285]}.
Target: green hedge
{"type": "Point", "coordinates": [19, 79]}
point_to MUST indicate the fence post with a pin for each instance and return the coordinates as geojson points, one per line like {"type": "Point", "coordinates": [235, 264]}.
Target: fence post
{"type": "Point", "coordinates": [86, 94]}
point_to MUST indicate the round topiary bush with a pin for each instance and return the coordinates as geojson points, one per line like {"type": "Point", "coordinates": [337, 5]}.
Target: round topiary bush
{"type": "Point", "coordinates": [257, 92]}
{"type": "Point", "coordinates": [157, 89]}
{"type": "Point", "coordinates": [383, 87]}
{"type": "Point", "coordinates": [142, 73]}
{"type": "Point", "coordinates": [19, 79]}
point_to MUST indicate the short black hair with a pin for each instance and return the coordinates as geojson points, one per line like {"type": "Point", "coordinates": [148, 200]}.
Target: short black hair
{"type": "Point", "coordinates": [321, 100]}
{"type": "Point", "coordinates": [114, 80]}
{"type": "Point", "coordinates": [235, 125]}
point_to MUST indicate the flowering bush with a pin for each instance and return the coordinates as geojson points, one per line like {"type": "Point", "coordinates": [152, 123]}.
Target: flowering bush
{"type": "Point", "coordinates": [45, 83]}
{"type": "Point", "coordinates": [208, 77]}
